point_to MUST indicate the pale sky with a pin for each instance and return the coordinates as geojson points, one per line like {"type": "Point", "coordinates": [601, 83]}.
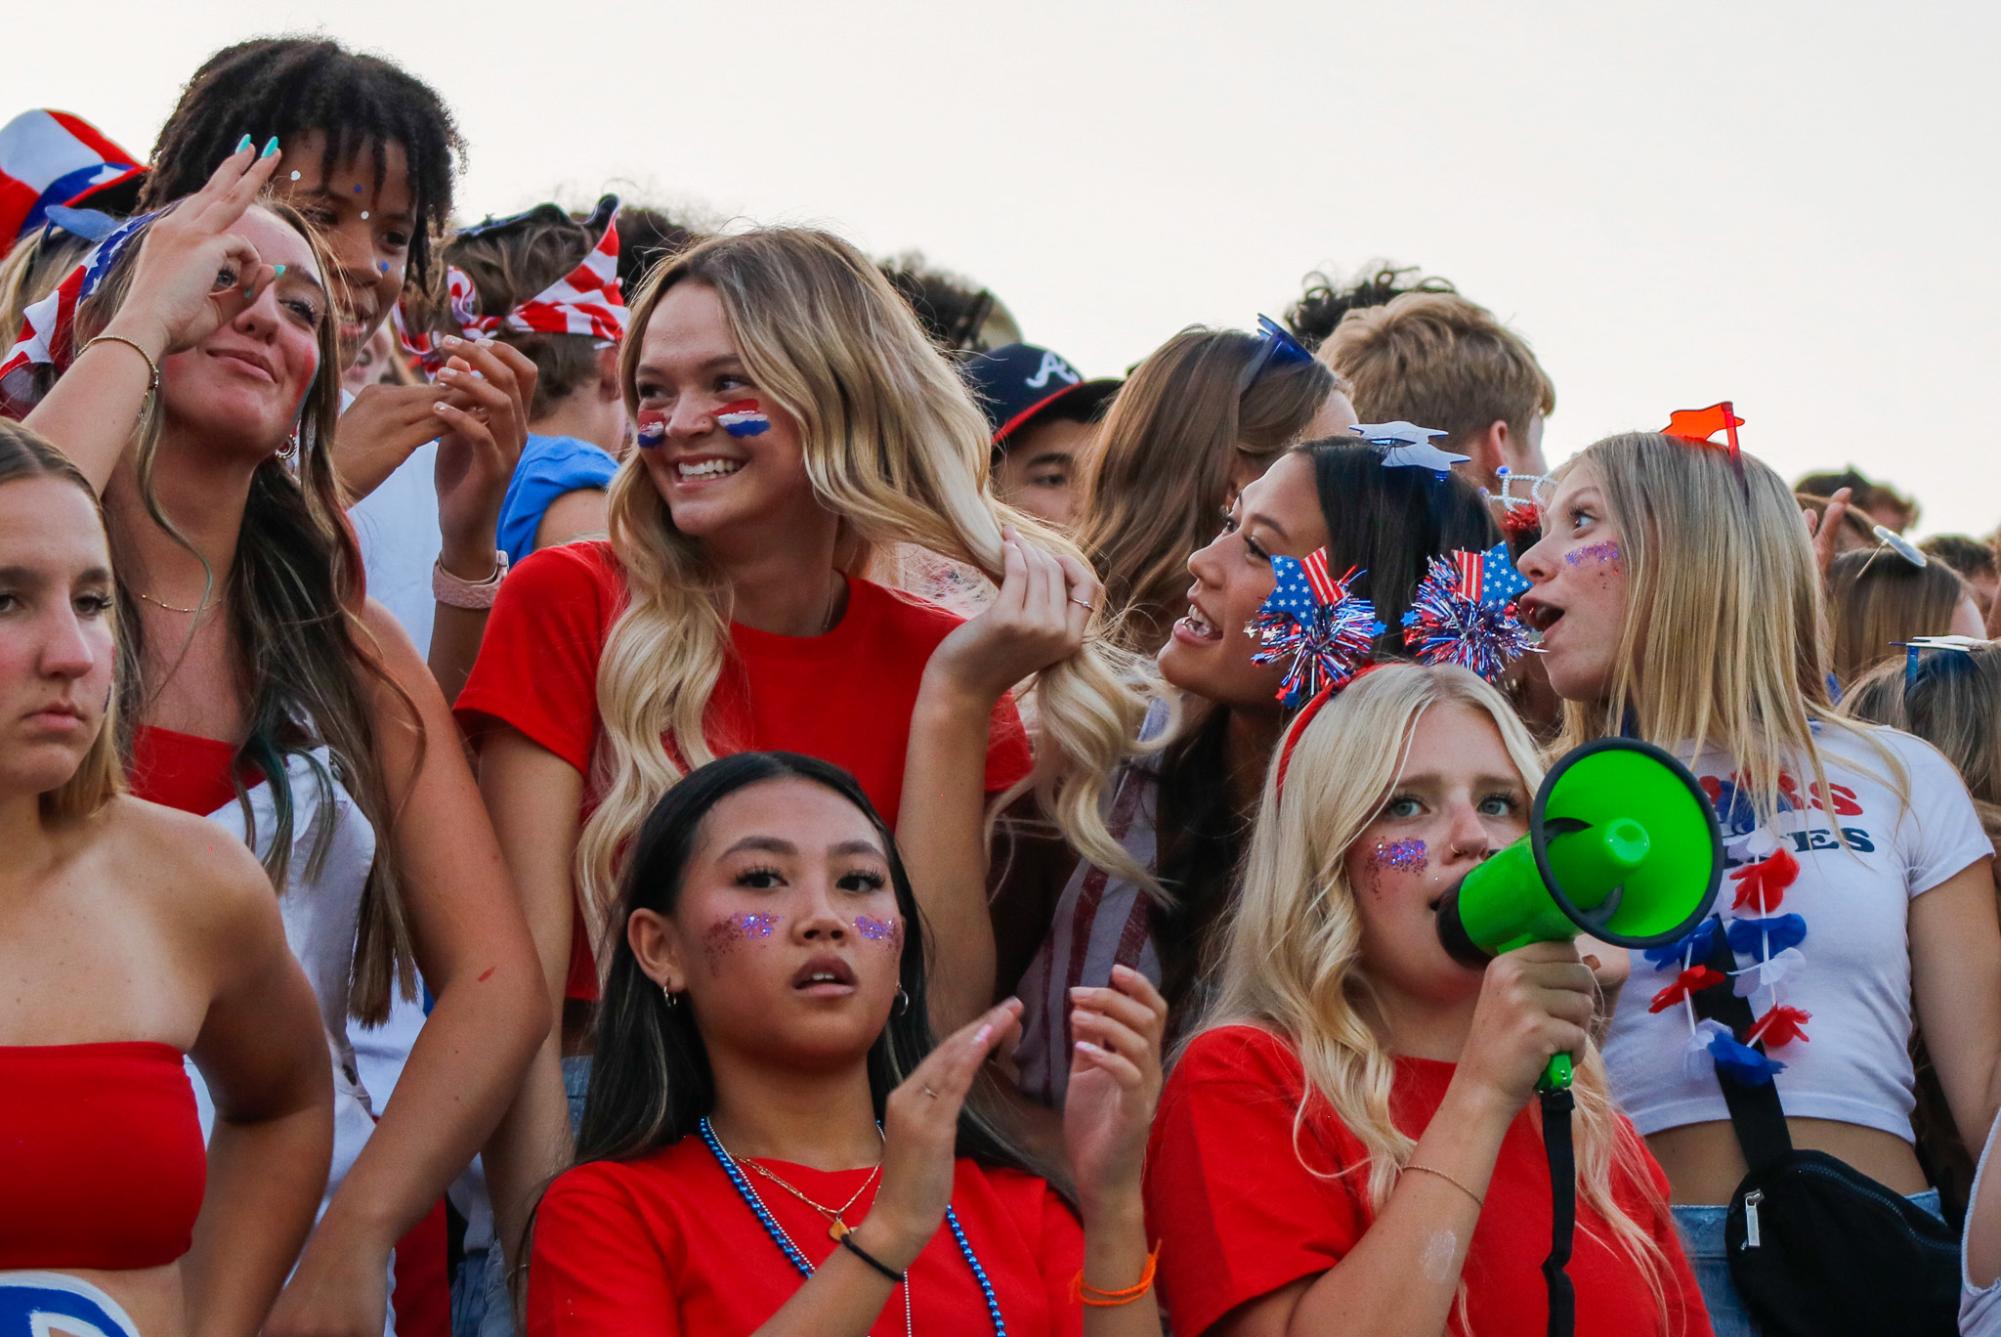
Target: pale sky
{"type": "Point", "coordinates": [1785, 204]}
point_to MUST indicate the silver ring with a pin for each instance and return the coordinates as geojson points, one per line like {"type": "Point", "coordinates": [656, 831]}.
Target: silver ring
{"type": "Point", "coordinates": [1084, 604]}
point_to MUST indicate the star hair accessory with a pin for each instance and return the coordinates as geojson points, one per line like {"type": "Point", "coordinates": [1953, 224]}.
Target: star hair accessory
{"type": "Point", "coordinates": [44, 347]}
{"type": "Point", "coordinates": [1915, 648]}
{"type": "Point", "coordinates": [1314, 623]}
{"type": "Point", "coordinates": [1464, 613]}
{"type": "Point", "coordinates": [1407, 446]}
{"type": "Point", "coordinates": [585, 301]}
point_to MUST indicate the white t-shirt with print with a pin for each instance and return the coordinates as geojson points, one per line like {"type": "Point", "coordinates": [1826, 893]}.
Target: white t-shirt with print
{"type": "Point", "coordinates": [1854, 972]}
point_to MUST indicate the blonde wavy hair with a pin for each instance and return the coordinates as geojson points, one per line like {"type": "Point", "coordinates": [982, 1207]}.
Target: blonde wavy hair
{"type": "Point", "coordinates": [896, 448]}
{"type": "Point", "coordinates": [1292, 959]}
{"type": "Point", "coordinates": [1724, 641]}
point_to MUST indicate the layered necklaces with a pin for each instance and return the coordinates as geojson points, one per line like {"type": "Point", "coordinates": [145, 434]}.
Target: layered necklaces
{"type": "Point", "coordinates": [837, 1227]}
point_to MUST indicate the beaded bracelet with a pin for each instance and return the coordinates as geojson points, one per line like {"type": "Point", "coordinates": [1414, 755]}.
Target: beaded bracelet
{"type": "Point", "coordinates": [1098, 1298]}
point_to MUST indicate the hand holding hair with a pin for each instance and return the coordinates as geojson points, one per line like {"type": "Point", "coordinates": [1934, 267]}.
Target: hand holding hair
{"type": "Point", "coordinates": [921, 1135]}
{"type": "Point", "coordinates": [193, 274]}
{"type": "Point", "coordinates": [1040, 617]}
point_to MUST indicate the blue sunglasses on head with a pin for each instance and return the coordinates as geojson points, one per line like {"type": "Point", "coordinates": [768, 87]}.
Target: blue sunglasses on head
{"type": "Point", "coordinates": [1276, 347]}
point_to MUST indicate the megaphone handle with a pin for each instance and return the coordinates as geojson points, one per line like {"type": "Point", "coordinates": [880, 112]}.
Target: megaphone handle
{"type": "Point", "coordinates": [1557, 1076]}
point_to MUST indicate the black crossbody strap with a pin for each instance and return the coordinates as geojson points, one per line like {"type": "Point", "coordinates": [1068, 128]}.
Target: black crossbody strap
{"type": "Point", "coordinates": [1755, 1111]}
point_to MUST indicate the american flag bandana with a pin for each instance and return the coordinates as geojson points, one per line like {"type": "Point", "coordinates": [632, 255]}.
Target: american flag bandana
{"type": "Point", "coordinates": [585, 301]}
{"type": "Point", "coordinates": [1312, 621]}
{"type": "Point", "coordinates": [51, 159]}
{"type": "Point", "coordinates": [43, 349]}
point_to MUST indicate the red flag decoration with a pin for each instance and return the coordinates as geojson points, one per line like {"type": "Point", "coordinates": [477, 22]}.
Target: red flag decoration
{"type": "Point", "coordinates": [1692, 980]}
{"type": "Point", "coordinates": [1698, 425]}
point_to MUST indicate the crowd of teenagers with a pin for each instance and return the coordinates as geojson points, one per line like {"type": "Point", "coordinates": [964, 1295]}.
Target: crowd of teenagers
{"type": "Point", "coordinates": [576, 774]}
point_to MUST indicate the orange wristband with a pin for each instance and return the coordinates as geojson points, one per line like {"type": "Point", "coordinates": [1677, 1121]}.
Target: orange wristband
{"type": "Point", "coordinates": [1087, 1294]}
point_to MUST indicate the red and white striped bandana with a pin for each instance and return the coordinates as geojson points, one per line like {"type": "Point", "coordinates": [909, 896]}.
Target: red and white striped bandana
{"type": "Point", "coordinates": [585, 301]}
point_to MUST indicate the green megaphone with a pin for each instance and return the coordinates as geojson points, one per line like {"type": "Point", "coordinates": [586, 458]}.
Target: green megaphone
{"type": "Point", "coordinates": [1622, 844]}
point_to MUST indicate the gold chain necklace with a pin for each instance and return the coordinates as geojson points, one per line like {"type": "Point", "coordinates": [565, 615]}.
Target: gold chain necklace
{"type": "Point", "coordinates": [837, 1226]}
{"type": "Point", "coordinates": [176, 608]}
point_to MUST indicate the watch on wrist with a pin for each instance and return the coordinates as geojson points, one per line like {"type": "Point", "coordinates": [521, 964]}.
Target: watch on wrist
{"type": "Point", "coordinates": [472, 595]}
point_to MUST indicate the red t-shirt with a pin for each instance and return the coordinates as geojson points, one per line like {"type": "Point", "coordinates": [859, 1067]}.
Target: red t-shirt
{"type": "Point", "coordinates": [844, 697]}
{"type": "Point", "coordinates": [1239, 1216]}
{"type": "Point", "coordinates": [663, 1245]}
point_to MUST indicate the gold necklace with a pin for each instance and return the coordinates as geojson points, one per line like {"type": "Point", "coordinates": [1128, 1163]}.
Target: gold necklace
{"type": "Point", "coordinates": [837, 1227]}
{"type": "Point", "coordinates": [176, 608]}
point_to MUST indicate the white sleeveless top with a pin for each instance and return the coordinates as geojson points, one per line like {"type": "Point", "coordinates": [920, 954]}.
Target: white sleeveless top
{"type": "Point", "coordinates": [321, 917]}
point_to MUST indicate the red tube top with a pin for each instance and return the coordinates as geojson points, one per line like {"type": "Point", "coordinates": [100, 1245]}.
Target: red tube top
{"type": "Point", "coordinates": [101, 1156]}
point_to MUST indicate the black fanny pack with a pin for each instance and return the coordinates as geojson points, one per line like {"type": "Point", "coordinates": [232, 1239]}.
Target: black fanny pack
{"type": "Point", "coordinates": [1817, 1248]}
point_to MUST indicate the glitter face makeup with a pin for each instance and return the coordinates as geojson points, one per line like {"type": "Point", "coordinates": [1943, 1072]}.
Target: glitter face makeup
{"type": "Point", "coordinates": [743, 417]}
{"type": "Point", "coordinates": [652, 429]}
{"type": "Point", "coordinates": [729, 932]}
{"type": "Point", "coordinates": [882, 932]}
{"type": "Point", "coordinates": [1405, 856]}
{"type": "Point", "coordinates": [1594, 554]}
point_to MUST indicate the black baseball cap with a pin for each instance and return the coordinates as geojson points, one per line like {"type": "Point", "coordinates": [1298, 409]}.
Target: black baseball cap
{"type": "Point", "coordinates": [1017, 383]}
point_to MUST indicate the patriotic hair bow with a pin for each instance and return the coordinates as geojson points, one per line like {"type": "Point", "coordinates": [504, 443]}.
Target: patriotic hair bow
{"type": "Point", "coordinates": [1314, 624]}
{"type": "Point", "coordinates": [1464, 613]}
{"type": "Point", "coordinates": [585, 301]}
{"type": "Point", "coordinates": [1408, 446]}
{"type": "Point", "coordinates": [43, 349]}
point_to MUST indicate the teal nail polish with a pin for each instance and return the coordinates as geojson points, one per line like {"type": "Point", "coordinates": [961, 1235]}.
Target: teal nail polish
{"type": "Point", "coordinates": [278, 270]}
{"type": "Point", "coordinates": [242, 144]}
{"type": "Point", "coordinates": [270, 147]}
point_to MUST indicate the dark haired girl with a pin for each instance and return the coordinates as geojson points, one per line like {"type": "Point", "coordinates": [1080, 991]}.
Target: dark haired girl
{"type": "Point", "coordinates": [1183, 812]}
{"type": "Point", "coordinates": [766, 1084]}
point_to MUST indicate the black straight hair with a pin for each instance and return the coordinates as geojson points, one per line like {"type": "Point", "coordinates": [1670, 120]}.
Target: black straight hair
{"type": "Point", "coordinates": [1389, 522]}
{"type": "Point", "coordinates": [650, 1079]}
{"type": "Point", "coordinates": [282, 86]}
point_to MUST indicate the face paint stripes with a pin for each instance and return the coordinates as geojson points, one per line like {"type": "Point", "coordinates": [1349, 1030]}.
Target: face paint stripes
{"type": "Point", "coordinates": [743, 417]}
{"type": "Point", "coordinates": [1406, 856]}
{"type": "Point", "coordinates": [1596, 554]}
{"type": "Point", "coordinates": [652, 429]}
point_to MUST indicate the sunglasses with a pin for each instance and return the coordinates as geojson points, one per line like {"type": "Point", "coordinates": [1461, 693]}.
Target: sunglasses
{"type": "Point", "coordinates": [1276, 347]}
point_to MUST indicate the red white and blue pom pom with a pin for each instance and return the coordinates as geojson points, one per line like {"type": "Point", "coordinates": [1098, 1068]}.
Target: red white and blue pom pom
{"type": "Point", "coordinates": [1315, 625]}
{"type": "Point", "coordinates": [1464, 613]}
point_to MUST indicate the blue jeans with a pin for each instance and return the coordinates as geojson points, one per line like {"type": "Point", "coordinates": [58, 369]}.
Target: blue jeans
{"type": "Point", "coordinates": [481, 1305]}
{"type": "Point", "coordinates": [1702, 1235]}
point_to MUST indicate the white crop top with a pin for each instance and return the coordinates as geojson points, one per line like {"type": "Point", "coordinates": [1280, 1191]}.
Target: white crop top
{"type": "Point", "coordinates": [1849, 973]}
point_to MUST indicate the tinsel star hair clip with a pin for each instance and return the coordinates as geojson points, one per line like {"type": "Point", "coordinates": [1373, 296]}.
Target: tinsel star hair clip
{"type": "Point", "coordinates": [1464, 613]}
{"type": "Point", "coordinates": [1315, 624]}
{"type": "Point", "coordinates": [1698, 426]}
{"type": "Point", "coordinates": [1407, 446]}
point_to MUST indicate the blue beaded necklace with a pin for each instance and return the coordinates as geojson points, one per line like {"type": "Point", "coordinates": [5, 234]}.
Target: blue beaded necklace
{"type": "Point", "coordinates": [805, 1269]}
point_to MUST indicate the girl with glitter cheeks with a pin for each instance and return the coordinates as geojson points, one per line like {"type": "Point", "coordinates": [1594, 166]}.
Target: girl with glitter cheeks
{"type": "Point", "coordinates": [1347, 1143]}
{"type": "Point", "coordinates": [1860, 898]}
{"type": "Point", "coordinates": [774, 1141]}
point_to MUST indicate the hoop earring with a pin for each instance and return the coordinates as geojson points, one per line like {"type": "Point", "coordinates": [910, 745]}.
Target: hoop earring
{"type": "Point", "coordinates": [291, 446]}
{"type": "Point", "coordinates": [673, 999]}
{"type": "Point", "coordinates": [902, 1002]}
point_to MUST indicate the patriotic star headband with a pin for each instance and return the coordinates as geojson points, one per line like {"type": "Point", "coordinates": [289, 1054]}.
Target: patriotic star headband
{"type": "Point", "coordinates": [585, 301]}
{"type": "Point", "coordinates": [1315, 624]}
{"type": "Point", "coordinates": [1464, 613]}
{"type": "Point", "coordinates": [45, 345]}
{"type": "Point", "coordinates": [1407, 446]}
